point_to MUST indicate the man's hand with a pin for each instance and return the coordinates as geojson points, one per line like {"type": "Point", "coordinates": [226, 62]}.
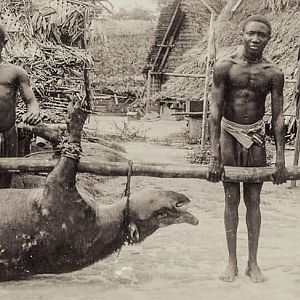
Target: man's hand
{"type": "Point", "coordinates": [32, 117]}
{"type": "Point", "coordinates": [215, 170]}
{"type": "Point", "coordinates": [280, 174]}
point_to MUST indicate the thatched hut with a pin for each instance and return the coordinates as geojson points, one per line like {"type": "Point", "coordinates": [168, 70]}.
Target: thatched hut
{"type": "Point", "coordinates": [284, 16]}
{"type": "Point", "coordinates": [49, 39]}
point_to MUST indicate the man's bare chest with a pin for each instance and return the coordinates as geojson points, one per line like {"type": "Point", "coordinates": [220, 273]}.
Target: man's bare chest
{"type": "Point", "coordinates": [8, 77]}
{"type": "Point", "coordinates": [253, 77]}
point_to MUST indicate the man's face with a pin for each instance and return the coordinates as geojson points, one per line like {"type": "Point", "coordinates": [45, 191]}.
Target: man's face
{"type": "Point", "coordinates": [256, 36]}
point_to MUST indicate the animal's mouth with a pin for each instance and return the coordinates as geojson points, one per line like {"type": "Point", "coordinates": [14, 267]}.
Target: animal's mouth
{"type": "Point", "coordinates": [178, 214]}
{"type": "Point", "coordinates": [182, 215]}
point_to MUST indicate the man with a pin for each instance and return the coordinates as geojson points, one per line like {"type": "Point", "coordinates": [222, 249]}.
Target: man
{"type": "Point", "coordinates": [12, 80]}
{"type": "Point", "coordinates": [240, 85]}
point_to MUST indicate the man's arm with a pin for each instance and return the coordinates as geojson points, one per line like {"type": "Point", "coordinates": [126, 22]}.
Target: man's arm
{"type": "Point", "coordinates": [278, 126]}
{"type": "Point", "coordinates": [216, 112]}
{"type": "Point", "coordinates": [32, 117]}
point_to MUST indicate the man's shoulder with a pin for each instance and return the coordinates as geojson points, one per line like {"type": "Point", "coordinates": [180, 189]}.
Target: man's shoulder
{"type": "Point", "coordinates": [15, 68]}
{"type": "Point", "coordinates": [271, 66]}
{"type": "Point", "coordinates": [224, 63]}
{"type": "Point", "coordinates": [227, 60]}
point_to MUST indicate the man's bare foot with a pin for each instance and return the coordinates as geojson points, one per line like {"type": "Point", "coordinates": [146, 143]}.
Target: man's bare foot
{"type": "Point", "coordinates": [231, 272]}
{"type": "Point", "coordinates": [254, 272]}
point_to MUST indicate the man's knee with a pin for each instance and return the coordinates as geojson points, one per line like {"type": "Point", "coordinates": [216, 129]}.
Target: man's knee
{"type": "Point", "coordinates": [232, 195]}
{"type": "Point", "coordinates": [252, 196]}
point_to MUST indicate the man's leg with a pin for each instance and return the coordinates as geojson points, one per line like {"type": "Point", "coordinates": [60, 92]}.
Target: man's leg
{"type": "Point", "coordinates": [232, 200]}
{"type": "Point", "coordinates": [9, 149]}
{"type": "Point", "coordinates": [253, 219]}
{"type": "Point", "coordinates": [231, 220]}
{"type": "Point", "coordinates": [5, 180]}
{"type": "Point", "coordinates": [252, 193]}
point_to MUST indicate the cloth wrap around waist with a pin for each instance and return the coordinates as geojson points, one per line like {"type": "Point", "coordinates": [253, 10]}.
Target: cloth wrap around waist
{"type": "Point", "coordinates": [247, 135]}
{"type": "Point", "coordinates": [9, 143]}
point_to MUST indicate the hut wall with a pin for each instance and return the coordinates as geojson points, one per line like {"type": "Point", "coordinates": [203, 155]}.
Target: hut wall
{"type": "Point", "coordinates": [194, 27]}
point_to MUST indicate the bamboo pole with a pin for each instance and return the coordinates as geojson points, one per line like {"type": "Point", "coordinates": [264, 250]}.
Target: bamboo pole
{"type": "Point", "coordinates": [207, 76]}
{"type": "Point", "coordinates": [232, 174]}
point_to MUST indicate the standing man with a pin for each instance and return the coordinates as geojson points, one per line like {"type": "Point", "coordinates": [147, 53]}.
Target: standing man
{"type": "Point", "coordinates": [241, 84]}
{"type": "Point", "coordinates": [12, 80]}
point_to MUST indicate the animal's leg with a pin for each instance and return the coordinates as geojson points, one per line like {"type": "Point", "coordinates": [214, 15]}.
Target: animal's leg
{"type": "Point", "coordinates": [62, 178]}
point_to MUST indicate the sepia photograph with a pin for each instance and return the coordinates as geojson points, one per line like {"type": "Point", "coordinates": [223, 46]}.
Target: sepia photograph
{"type": "Point", "coordinates": [149, 149]}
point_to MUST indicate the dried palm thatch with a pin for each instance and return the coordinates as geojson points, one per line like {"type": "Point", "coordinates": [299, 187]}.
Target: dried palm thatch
{"type": "Point", "coordinates": [46, 39]}
{"type": "Point", "coordinates": [282, 49]}
{"type": "Point", "coordinates": [279, 4]}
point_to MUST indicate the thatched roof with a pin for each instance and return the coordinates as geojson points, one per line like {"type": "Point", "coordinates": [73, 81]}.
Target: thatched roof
{"type": "Point", "coordinates": [196, 16]}
{"type": "Point", "coordinates": [284, 16]}
{"type": "Point", "coordinates": [46, 38]}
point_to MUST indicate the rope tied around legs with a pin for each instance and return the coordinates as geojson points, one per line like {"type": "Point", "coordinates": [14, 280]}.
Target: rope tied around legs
{"type": "Point", "coordinates": [69, 149]}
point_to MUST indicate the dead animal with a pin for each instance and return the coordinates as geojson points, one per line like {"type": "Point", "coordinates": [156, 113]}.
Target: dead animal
{"type": "Point", "coordinates": [57, 230]}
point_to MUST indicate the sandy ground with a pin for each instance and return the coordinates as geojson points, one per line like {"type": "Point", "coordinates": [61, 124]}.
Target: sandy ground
{"type": "Point", "coordinates": [201, 251]}
{"type": "Point", "coordinates": [180, 261]}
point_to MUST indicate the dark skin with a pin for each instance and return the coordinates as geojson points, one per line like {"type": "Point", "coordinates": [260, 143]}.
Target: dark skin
{"type": "Point", "coordinates": [240, 86]}
{"type": "Point", "coordinates": [12, 80]}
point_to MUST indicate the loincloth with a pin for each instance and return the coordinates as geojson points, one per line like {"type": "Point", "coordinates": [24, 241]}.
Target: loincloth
{"type": "Point", "coordinates": [246, 135]}
{"type": "Point", "coordinates": [9, 143]}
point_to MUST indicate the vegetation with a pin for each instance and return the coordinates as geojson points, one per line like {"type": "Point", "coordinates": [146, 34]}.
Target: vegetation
{"type": "Point", "coordinates": [120, 56]}
{"type": "Point", "coordinates": [136, 13]}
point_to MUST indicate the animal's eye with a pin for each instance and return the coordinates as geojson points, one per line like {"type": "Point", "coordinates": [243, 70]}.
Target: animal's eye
{"type": "Point", "coordinates": [179, 204]}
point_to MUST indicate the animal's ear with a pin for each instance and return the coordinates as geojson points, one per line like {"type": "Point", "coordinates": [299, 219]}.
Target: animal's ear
{"type": "Point", "coordinates": [134, 232]}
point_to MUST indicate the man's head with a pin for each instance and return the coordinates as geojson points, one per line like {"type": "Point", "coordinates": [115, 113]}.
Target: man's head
{"type": "Point", "coordinates": [256, 33]}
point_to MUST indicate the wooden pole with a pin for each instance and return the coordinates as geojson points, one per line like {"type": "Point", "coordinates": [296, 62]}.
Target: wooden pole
{"type": "Point", "coordinates": [166, 36]}
{"type": "Point", "coordinates": [148, 92]}
{"type": "Point", "coordinates": [179, 75]}
{"type": "Point", "coordinates": [232, 174]}
{"type": "Point", "coordinates": [297, 99]}
{"type": "Point", "coordinates": [88, 100]}
{"type": "Point", "coordinates": [207, 76]}
{"type": "Point", "coordinates": [297, 140]}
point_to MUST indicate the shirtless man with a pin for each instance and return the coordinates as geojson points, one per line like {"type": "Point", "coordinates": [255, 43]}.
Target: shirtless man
{"type": "Point", "coordinates": [12, 80]}
{"type": "Point", "coordinates": [241, 83]}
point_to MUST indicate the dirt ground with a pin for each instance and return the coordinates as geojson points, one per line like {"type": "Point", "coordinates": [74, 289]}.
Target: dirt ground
{"type": "Point", "coordinates": [180, 261]}
{"type": "Point", "coordinates": [201, 251]}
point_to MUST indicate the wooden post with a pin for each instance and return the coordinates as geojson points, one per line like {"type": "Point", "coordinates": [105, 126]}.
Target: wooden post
{"type": "Point", "coordinates": [149, 82]}
{"type": "Point", "coordinates": [88, 101]}
{"type": "Point", "coordinates": [207, 76]}
{"type": "Point", "coordinates": [297, 98]}
{"type": "Point", "coordinates": [297, 140]}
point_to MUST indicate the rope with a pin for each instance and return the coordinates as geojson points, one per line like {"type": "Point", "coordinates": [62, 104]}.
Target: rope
{"type": "Point", "coordinates": [71, 150]}
{"type": "Point", "coordinates": [127, 217]}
